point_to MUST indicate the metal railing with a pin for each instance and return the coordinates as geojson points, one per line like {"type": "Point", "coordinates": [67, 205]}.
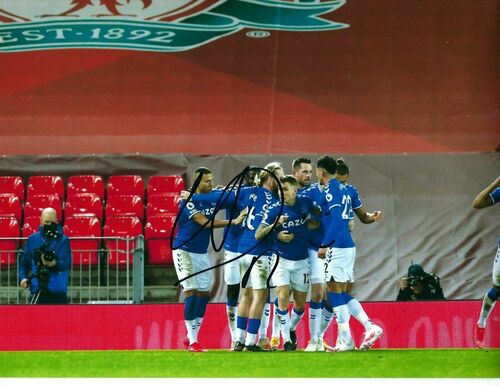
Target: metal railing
{"type": "Point", "coordinates": [103, 270]}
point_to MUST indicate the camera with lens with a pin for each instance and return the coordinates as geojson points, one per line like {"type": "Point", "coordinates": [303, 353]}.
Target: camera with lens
{"type": "Point", "coordinates": [43, 255]}
{"type": "Point", "coordinates": [413, 280]}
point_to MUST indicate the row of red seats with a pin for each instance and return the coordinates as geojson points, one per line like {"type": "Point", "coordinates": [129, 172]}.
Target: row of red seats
{"type": "Point", "coordinates": [86, 252]}
{"type": "Point", "coordinates": [89, 204]}
{"type": "Point", "coordinates": [116, 185]}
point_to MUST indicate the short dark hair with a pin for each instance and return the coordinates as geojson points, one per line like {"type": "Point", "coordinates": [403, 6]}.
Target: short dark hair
{"type": "Point", "coordinates": [342, 168]}
{"type": "Point", "coordinates": [201, 170]}
{"type": "Point", "coordinates": [290, 179]}
{"type": "Point", "coordinates": [328, 163]}
{"type": "Point", "coordinates": [301, 160]}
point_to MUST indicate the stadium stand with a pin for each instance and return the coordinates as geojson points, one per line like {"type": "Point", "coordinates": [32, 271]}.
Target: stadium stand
{"type": "Point", "coordinates": [85, 252]}
{"type": "Point", "coordinates": [158, 204]}
{"type": "Point", "coordinates": [125, 185]}
{"type": "Point", "coordinates": [85, 184]}
{"type": "Point", "coordinates": [30, 226]}
{"type": "Point", "coordinates": [157, 235]}
{"type": "Point", "coordinates": [125, 205]}
{"type": "Point", "coordinates": [10, 205]}
{"type": "Point", "coordinates": [165, 184]}
{"type": "Point", "coordinates": [12, 184]}
{"type": "Point", "coordinates": [9, 227]}
{"type": "Point", "coordinates": [126, 227]}
{"type": "Point", "coordinates": [36, 203]}
{"type": "Point", "coordinates": [86, 204]}
{"type": "Point", "coordinates": [38, 185]}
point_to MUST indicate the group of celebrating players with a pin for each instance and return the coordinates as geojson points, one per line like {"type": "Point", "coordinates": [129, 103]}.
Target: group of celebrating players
{"type": "Point", "coordinates": [282, 232]}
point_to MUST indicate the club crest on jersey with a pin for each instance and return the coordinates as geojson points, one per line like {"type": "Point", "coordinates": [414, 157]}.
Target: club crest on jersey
{"type": "Point", "coordinates": [150, 25]}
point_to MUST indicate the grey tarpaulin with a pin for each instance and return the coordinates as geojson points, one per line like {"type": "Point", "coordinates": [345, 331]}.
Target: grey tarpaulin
{"type": "Point", "coordinates": [426, 201]}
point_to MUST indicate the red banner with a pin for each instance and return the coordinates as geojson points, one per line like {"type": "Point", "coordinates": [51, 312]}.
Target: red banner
{"type": "Point", "coordinates": [444, 324]}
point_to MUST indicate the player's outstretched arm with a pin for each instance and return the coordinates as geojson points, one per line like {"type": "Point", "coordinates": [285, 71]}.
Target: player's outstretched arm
{"type": "Point", "coordinates": [483, 199]}
{"type": "Point", "coordinates": [368, 218]}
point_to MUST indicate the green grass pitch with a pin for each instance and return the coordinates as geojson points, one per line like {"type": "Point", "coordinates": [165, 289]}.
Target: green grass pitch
{"type": "Point", "coordinates": [219, 363]}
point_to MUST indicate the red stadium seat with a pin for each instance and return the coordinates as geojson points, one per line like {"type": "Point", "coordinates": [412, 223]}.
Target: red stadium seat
{"type": "Point", "coordinates": [85, 252]}
{"type": "Point", "coordinates": [35, 204]}
{"type": "Point", "coordinates": [125, 206]}
{"type": "Point", "coordinates": [159, 204]}
{"type": "Point", "coordinates": [85, 184]}
{"type": "Point", "coordinates": [30, 226]}
{"type": "Point", "coordinates": [165, 184]}
{"type": "Point", "coordinates": [119, 250]}
{"type": "Point", "coordinates": [38, 185]}
{"type": "Point", "coordinates": [157, 236]}
{"type": "Point", "coordinates": [128, 185]}
{"type": "Point", "coordinates": [9, 227]}
{"type": "Point", "coordinates": [12, 184]}
{"type": "Point", "coordinates": [10, 205]}
{"type": "Point", "coordinates": [84, 204]}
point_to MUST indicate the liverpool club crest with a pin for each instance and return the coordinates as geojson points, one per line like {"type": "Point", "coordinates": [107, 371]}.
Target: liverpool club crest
{"type": "Point", "coordinates": [152, 25]}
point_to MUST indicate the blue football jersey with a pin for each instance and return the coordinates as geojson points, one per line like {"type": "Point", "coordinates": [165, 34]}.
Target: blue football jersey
{"type": "Point", "coordinates": [296, 223]}
{"type": "Point", "coordinates": [314, 192]}
{"type": "Point", "coordinates": [258, 203]}
{"type": "Point", "coordinates": [233, 233]}
{"type": "Point", "coordinates": [355, 200]}
{"type": "Point", "coordinates": [192, 237]}
{"type": "Point", "coordinates": [337, 207]}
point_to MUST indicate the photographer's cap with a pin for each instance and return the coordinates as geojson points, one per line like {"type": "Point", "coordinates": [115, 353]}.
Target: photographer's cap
{"type": "Point", "coordinates": [415, 270]}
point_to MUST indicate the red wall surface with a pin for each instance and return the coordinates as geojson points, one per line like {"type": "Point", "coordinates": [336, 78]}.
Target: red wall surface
{"type": "Point", "coordinates": [446, 324]}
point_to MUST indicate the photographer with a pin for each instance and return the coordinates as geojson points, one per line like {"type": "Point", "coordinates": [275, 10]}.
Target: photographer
{"type": "Point", "coordinates": [46, 261]}
{"type": "Point", "coordinates": [419, 285]}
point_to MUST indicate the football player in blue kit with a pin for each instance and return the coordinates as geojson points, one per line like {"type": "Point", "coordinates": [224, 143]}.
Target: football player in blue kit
{"type": "Point", "coordinates": [488, 197]}
{"type": "Point", "coordinates": [256, 261]}
{"type": "Point", "coordinates": [189, 249]}
{"type": "Point", "coordinates": [339, 249]}
{"type": "Point", "coordinates": [372, 331]}
{"type": "Point", "coordinates": [292, 255]}
{"type": "Point", "coordinates": [303, 170]}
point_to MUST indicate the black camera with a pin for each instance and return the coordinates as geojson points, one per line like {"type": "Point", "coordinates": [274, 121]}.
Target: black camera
{"type": "Point", "coordinates": [43, 273]}
{"type": "Point", "coordinates": [412, 280]}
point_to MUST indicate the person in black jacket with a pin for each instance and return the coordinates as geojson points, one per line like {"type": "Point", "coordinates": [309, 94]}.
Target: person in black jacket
{"type": "Point", "coordinates": [419, 285]}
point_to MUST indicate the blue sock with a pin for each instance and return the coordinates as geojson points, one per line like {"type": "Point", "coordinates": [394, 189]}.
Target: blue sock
{"type": "Point", "coordinates": [276, 303]}
{"type": "Point", "coordinates": [281, 312]}
{"type": "Point", "coordinates": [201, 306]}
{"type": "Point", "coordinates": [314, 305]}
{"type": "Point", "coordinates": [493, 294]}
{"type": "Point", "coordinates": [232, 302]}
{"type": "Point", "coordinates": [335, 299]}
{"type": "Point", "coordinates": [253, 326]}
{"type": "Point", "coordinates": [190, 308]}
{"type": "Point", "coordinates": [241, 322]}
{"type": "Point", "coordinates": [298, 312]}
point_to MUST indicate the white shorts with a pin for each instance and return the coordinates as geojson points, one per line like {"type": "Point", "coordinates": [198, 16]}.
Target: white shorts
{"type": "Point", "coordinates": [188, 263]}
{"type": "Point", "coordinates": [317, 267]}
{"type": "Point", "coordinates": [233, 271]}
{"type": "Point", "coordinates": [259, 273]}
{"type": "Point", "coordinates": [294, 273]}
{"type": "Point", "coordinates": [496, 268]}
{"type": "Point", "coordinates": [340, 265]}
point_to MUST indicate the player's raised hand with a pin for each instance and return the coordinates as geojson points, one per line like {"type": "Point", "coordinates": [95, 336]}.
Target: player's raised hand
{"type": "Point", "coordinates": [242, 216]}
{"type": "Point", "coordinates": [185, 195]}
{"type": "Point", "coordinates": [377, 216]}
{"type": "Point", "coordinates": [282, 219]}
{"type": "Point", "coordinates": [285, 236]}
